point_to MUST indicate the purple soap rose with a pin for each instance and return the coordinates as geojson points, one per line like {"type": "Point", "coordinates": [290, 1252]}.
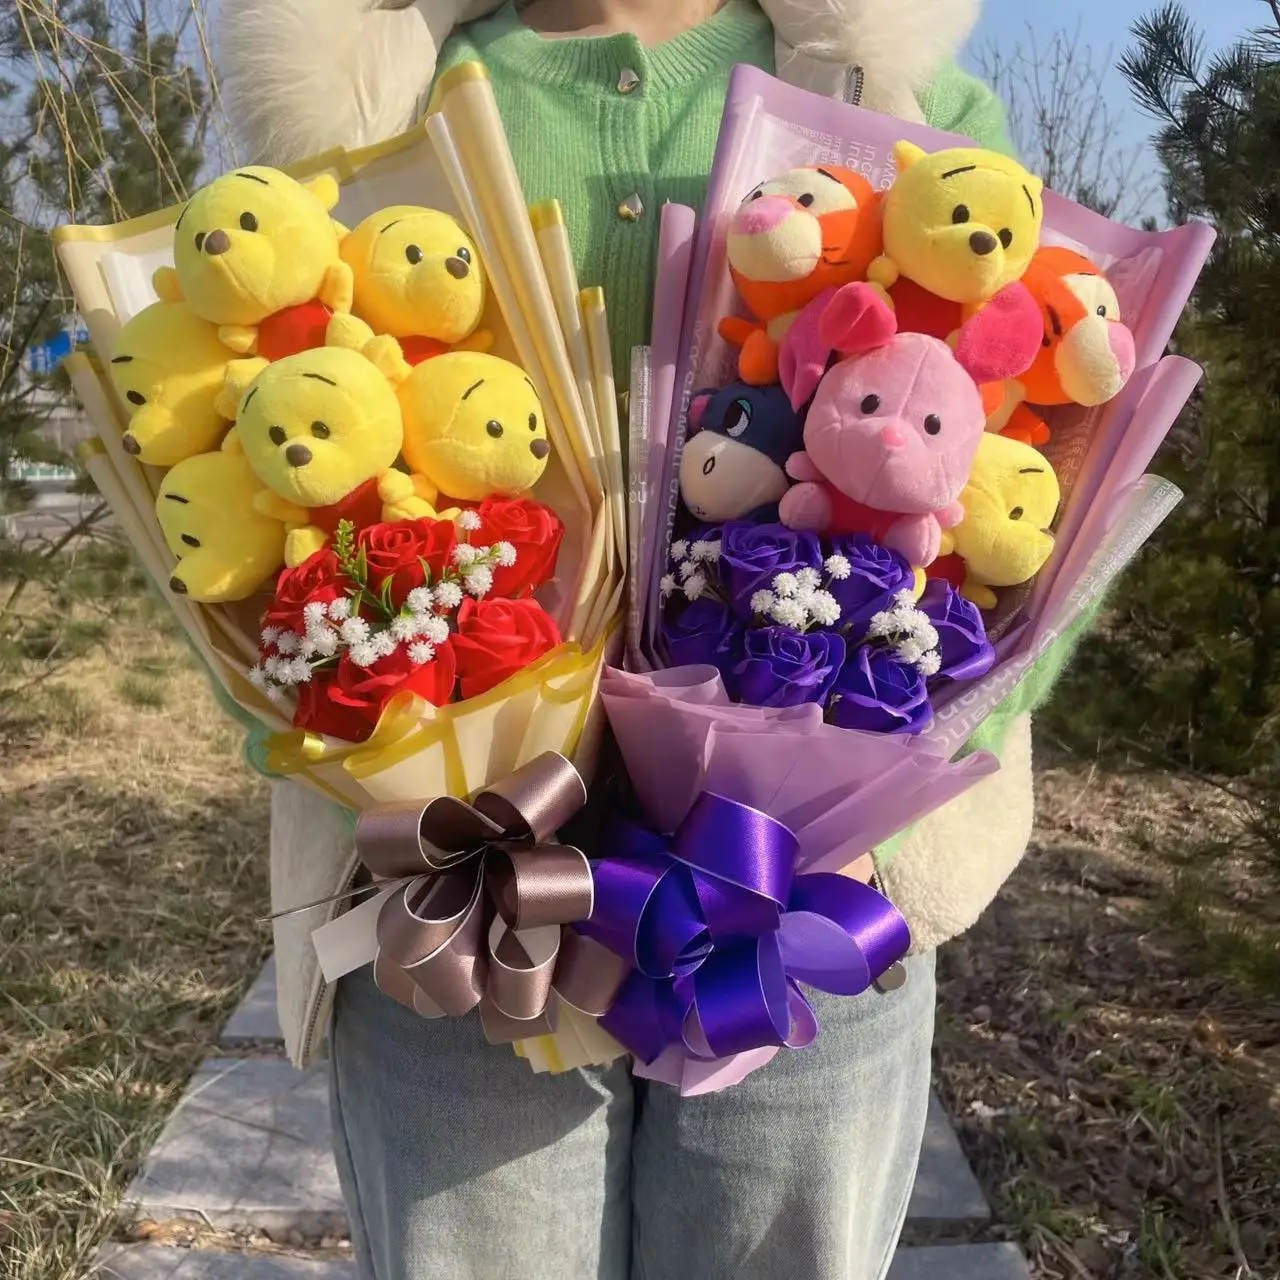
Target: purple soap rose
{"type": "Point", "coordinates": [783, 668]}
{"type": "Point", "coordinates": [752, 555]}
{"type": "Point", "coordinates": [878, 693]}
{"type": "Point", "coordinates": [962, 638]}
{"type": "Point", "coordinates": [876, 575]}
{"type": "Point", "coordinates": [703, 633]}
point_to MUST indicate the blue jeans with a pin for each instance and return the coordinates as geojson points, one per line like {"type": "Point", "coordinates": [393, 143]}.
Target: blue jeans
{"type": "Point", "coordinates": [458, 1163]}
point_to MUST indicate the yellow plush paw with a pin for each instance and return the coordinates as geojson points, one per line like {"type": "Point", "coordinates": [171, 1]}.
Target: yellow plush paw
{"type": "Point", "coordinates": [346, 330]}
{"type": "Point", "coordinates": [302, 544]}
{"type": "Point", "coordinates": [243, 339]}
{"type": "Point", "coordinates": [980, 594]}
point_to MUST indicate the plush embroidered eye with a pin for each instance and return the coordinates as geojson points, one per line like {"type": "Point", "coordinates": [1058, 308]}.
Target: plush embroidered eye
{"type": "Point", "coordinates": [277, 435]}
{"type": "Point", "coordinates": [414, 254]}
{"type": "Point", "coordinates": [870, 404]}
{"type": "Point", "coordinates": [960, 214]}
{"type": "Point", "coordinates": [493, 428]}
{"type": "Point", "coordinates": [190, 540]}
{"type": "Point", "coordinates": [1102, 311]}
{"type": "Point", "coordinates": [464, 254]}
{"type": "Point", "coordinates": [933, 424]}
{"type": "Point", "coordinates": [248, 222]}
{"type": "Point", "coordinates": [135, 397]}
{"type": "Point", "coordinates": [805, 200]}
{"type": "Point", "coordinates": [1006, 237]}
{"type": "Point", "coordinates": [533, 422]}
{"type": "Point", "coordinates": [199, 241]}
{"type": "Point", "coordinates": [320, 430]}
{"type": "Point", "coordinates": [1016, 514]}
{"type": "Point", "coordinates": [737, 418]}
{"type": "Point", "coordinates": [755, 195]}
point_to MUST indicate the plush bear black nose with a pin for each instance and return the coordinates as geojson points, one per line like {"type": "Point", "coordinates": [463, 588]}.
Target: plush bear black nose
{"type": "Point", "coordinates": [539, 449]}
{"type": "Point", "coordinates": [130, 445]}
{"type": "Point", "coordinates": [457, 268]}
{"type": "Point", "coordinates": [297, 455]}
{"type": "Point", "coordinates": [983, 243]}
{"type": "Point", "coordinates": [177, 586]}
{"type": "Point", "coordinates": [217, 242]}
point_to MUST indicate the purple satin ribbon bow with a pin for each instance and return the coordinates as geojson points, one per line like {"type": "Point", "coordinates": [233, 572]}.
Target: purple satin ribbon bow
{"type": "Point", "coordinates": [721, 931]}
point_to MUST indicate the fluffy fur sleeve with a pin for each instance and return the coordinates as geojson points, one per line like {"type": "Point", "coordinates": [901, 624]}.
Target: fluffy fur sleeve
{"type": "Point", "coordinates": [301, 76]}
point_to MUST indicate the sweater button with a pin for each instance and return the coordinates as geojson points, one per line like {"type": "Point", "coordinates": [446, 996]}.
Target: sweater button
{"type": "Point", "coordinates": [631, 209]}
{"type": "Point", "coordinates": [628, 81]}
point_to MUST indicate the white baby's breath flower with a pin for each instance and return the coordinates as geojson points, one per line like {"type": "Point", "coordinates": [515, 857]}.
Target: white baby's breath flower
{"type": "Point", "coordinates": [300, 670]}
{"type": "Point", "coordinates": [284, 674]}
{"type": "Point", "coordinates": [385, 644]}
{"type": "Point", "coordinates": [326, 643]}
{"type": "Point", "coordinates": [838, 568]}
{"type": "Point", "coordinates": [930, 664]}
{"type": "Point", "coordinates": [679, 549]}
{"type": "Point", "coordinates": [468, 520]}
{"type": "Point", "coordinates": [824, 609]}
{"type": "Point", "coordinates": [910, 652]}
{"type": "Point", "coordinates": [927, 634]}
{"type": "Point", "coordinates": [810, 578]}
{"type": "Point", "coordinates": [905, 599]}
{"type": "Point", "coordinates": [713, 550]}
{"type": "Point", "coordinates": [271, 666]}
{"type": "Point", "coordinates": [420, 652]}
{"type": "Point", "coordinates": [705, 552]}
{"type": "Point", "coordinates": [287, 642]}
{"type": "Point", "coordinates": [479, 580]}
{"type": "Point", "coordinates": [448, 595]}
{"type": "Point", "coordinates": [257, 677]}
{"type": "Point", "coordinates": [785, 584]}
{"type": "Point", "coordinates": [363, 654]}
{"type": "Point", "coordinates": [434, 629]}
{"type": "Point", "coordinates": [420, 599]}
{"type": "Point", "coordinates": [464, 555]}
{"type": "Point", "coordinates": [307, 649]}
{"type": "Point", "coordinates": [882, 624]}
{"type": "Point", "coordinates": [404, 627]}
{"type": "Point", "coordinates": [789, 613]}
{"type": "Point", "coordinates": [270, 635]}
{"type": "Point", "coordinates": [505, 554]}
{"type": "Point", "coordinates": [695, 586]}
{"type": "Point", "coordinates": [275, 693]}
{"type": "Point", "coordinates": [762, 601]}
{"type": "Point", "coordinates": [314, 612]}
{"type": "Point", "coordinates": [667, 583]}
{"type": "Point", "coordinates": [687, 569]}
{"type": "Point", "coordinates": [355, 631]}
{"type": "Point", "coordinates": [340, 608]}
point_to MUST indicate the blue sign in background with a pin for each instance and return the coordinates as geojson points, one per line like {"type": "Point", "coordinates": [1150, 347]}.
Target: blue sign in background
{"type": "Point", "coordinates": [44, 357]}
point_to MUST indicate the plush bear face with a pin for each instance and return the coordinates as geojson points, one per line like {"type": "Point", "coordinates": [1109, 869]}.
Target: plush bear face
{"type": "Point", "coordinates": [167, 368]}
{"type": "Point", "coordinates": [318, 425]}
{"type": "Point", "coordinates": [226, 550]}
{"type": "Point", "coordinates": [1088, 354]}
{"type": "Point", "coordinates": [962, 223]}
{"type": "Point", "coordinates": [416, 273]}
{"type": "Point", "coordinates": [896, 429]}
{"type": "Point", "coordinates": [800, 233]}
{"type": "Point", "coordinates": [254, 242]}
{"type": "Point", "coordinates": [1010, 503]}
{"type": "Point", "coordinates": [473, 426]}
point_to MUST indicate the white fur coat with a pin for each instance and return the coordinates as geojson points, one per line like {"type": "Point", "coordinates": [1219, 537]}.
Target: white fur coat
{"type": "Point", "coordinates": [301, 76]}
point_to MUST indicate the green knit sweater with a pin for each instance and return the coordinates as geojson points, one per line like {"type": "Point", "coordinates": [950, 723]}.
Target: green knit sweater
{"type": "Point", "coordinates": [578, 138]}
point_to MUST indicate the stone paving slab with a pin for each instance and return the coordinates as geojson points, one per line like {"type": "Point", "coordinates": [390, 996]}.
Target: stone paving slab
{"type": "Point", "coordinates": [247, 1146]}
{"type": "Point", "coordinates": [151, 1262]}
{"type": "Point", "coordinates": [256, 1021]}
{"type": "Point", "coordinates": [960, 1262]}
{"type": "Point", "coordinates": [946, 1189]}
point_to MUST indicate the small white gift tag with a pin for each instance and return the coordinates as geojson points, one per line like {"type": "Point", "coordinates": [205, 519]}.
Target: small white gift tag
{"type": "Point", "coordinates": [351, 941]}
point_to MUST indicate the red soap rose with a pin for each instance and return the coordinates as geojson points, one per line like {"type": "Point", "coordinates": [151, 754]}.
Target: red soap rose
{"type": "Point", "coordinates": [317, 580]}
{"type": "Point", "coordinates": [497, 638]}
{"type": "Point", "coordinates": [397, 551]}
{"type": "Point", "coordinates": [347, 701]}
{"type": "Point", "coordinates": [534, 530]}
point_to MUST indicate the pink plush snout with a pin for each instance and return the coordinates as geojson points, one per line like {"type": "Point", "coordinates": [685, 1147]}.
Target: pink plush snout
{"type": "Point", "coordinates": [758, 217]}
{"type": "Point", "coordinates": [893, 437]}
{"type": "Point", "coordinates": [1124, 350]}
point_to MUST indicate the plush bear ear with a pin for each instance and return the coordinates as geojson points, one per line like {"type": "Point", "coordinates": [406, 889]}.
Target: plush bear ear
{"type": "Point", "coordinates": [1003, 339]}
{"type": "Point", "coordinates": [165, 283]}
{"type": "Point", "coordinates": [698, 407]}
{"type": "Point", "coordinates": [325, 189]}
{"type": "Point", "coordinates": [384, 353]}
{"type": "Point", "coordinates": [235, 382]}
{"type": "Point", "coordinates": [905, 154]}
{"type": "Point", "coordinates": [857, 320]}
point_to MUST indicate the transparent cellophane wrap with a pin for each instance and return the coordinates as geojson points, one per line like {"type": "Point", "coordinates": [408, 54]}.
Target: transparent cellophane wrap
{"type": "Point", "coordinates": [459, 161]}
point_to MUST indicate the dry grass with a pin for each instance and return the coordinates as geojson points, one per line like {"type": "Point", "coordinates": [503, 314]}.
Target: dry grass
{"type": "Point", "coordinates": [132, 871]}
{"type": "Point", "coordinates": [1110, 1038]}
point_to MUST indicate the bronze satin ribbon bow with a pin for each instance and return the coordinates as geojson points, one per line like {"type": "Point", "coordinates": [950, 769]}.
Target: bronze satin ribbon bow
{"type": "Point", "coordinates": [482, 920]}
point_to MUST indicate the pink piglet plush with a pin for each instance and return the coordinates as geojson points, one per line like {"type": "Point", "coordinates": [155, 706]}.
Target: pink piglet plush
{"type": "Point", "coordinates": [894, 424]}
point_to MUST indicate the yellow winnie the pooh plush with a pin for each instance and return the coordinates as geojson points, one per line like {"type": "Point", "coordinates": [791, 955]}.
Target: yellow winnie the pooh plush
{"type": "Point", "coordinates": [256, 253]}
{"type": "Point", "coordinates": [322, 430]}
{"type": "Point", "coordinates": [226, 548]}
{"type": "Point", "coordinates": [417, 276]}
{"type": "Point", "coordinates": [168, 367]}
{"type": "Point", "coordinates": [1009, 504]}
{"type": "Point", "coordinates": [474, 427]}
{"type": "Point", "coordinates": [961, 223]}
